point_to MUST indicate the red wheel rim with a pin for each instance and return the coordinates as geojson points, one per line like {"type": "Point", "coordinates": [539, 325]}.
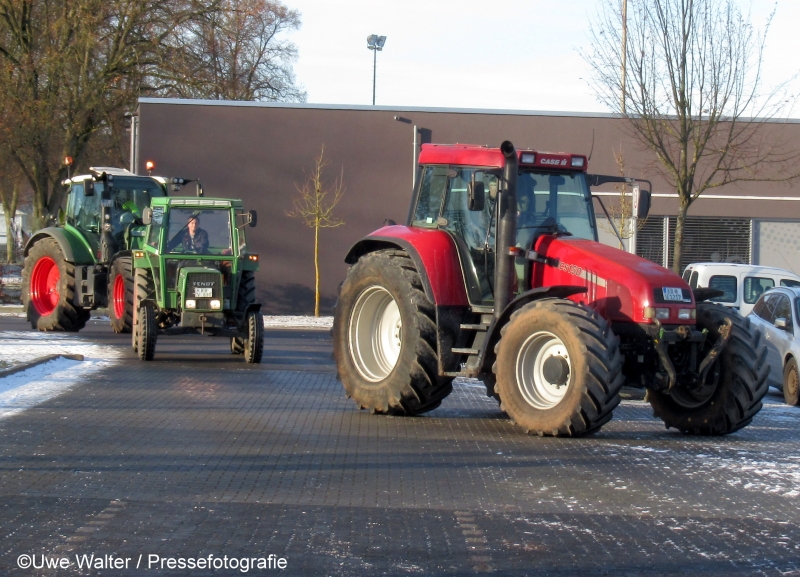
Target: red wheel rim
{"type": "Point", "coordinates": [44, 286]}
{"type": "Point", "coordinates": [119, 296]}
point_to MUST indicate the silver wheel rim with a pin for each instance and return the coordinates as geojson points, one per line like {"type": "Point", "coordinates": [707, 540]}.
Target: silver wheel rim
{"type": "Point", "coordinates": [376, 333]}
{"type": "Point", "coordinates": [535, 389]}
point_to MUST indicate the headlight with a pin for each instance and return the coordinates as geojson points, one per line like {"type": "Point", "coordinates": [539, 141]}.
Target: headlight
{"type": "Point", "coordinates": [687, 314]}
{"type": "Point", "coordinates": [191, 303]}
{"type": "Point", "coordinates": [215, 304]}
{"type": "Point", "coordinates": [656, 313]}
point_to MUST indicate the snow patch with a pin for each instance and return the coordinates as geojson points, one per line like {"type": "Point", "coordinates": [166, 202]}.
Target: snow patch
{"type": "Point", "coordinates": [30, 387]}
{"type": "Point", "coordinates": [294, 322]}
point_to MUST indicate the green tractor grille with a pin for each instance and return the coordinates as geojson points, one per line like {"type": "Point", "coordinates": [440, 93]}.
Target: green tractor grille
{"type": "Point", "coordinates": [198, 285]}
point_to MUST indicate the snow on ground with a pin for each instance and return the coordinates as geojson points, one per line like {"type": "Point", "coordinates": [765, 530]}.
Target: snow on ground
{"type": "Point", "coordinates": [289, 322]}
{"type": "Point", "coordinates": [25, 389]}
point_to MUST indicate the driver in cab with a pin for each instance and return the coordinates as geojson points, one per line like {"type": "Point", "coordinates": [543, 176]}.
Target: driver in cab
{"type": "Point", "coordinates": [194, 239]}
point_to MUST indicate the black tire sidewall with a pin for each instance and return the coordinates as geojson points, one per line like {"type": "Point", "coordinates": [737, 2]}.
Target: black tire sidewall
{"type": "Point", "coordinates": [713, 416]}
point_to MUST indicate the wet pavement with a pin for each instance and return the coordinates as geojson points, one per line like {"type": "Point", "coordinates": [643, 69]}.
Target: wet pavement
{"type": "Point", "coordinates": [198, 456]}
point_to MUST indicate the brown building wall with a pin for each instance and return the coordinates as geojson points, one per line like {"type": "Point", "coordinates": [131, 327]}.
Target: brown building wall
{"type": "Point", "coordinates": [260, 152]}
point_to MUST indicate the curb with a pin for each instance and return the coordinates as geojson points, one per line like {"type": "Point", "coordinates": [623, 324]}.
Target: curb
{"type": "Point", "coordinates": [36, 362]}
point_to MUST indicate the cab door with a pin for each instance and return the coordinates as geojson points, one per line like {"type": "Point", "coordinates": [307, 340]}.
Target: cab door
{"type": "Point", "coordinates": [762, 319]}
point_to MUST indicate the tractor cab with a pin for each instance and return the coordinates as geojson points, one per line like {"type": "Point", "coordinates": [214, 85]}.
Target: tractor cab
{"type": "Point", "coordinates": [109, 200]}
{"type": "Point", "coordinates": [552, 198]}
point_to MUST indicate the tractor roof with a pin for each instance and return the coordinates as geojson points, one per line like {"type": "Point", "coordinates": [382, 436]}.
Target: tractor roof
{"type": "Point", "coordinates": [476, 155]}
{"type": "Point", "coordinates": [195, 201]}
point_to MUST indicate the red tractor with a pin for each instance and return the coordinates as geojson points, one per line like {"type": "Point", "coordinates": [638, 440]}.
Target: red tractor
{"type": "Point", "coordinates": [499, 275]}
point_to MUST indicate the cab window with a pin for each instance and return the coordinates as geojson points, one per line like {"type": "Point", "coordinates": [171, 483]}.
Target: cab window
{"type": "Point", "coordinates": [790, 283]}
{"type": "Point", "coordinates": [693, 280]}
{"type": "Point", "coordinates": [755, 286]}
{"type": "Point", "coordinates": [725, 283]}
{"type": "Point", "coordinates": [431, 191]}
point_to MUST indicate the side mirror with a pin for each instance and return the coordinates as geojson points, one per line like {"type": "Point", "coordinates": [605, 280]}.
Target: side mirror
{"type": "Point", "coordinates": [147, 215]}
{"type": "Point", "coordinates": [88, 188]}
{"type": "Point", "coordinates": [780, 323]}
{"type": "Point", "coordinates": [643, 205]}
{"type": "Point", "coordinates": [252, 218]}
{"type": "Point", "coordinates": [476, 194]}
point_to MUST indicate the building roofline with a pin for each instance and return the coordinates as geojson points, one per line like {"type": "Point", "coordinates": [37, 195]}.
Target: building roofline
{"type": "Point", "coordinates": [379, 108]}
{"type": "Point", "coordinates": [366, 107]}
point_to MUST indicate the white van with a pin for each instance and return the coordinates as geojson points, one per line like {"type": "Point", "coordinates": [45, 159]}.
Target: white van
{"type": "Point", "coordinates": [742, 283]}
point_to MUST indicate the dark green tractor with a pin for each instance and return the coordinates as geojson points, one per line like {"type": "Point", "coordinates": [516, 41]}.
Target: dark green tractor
{"type": "Point", "coordinates": [195, 274]}
{"type": "Point", "coordinates": [84, 262]}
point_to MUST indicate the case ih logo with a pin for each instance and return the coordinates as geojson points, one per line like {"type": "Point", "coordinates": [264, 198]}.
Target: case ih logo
{"type": "Point", "coordinates": [202, 283]}
{"type": "Point", "coordinates": [553, 161]}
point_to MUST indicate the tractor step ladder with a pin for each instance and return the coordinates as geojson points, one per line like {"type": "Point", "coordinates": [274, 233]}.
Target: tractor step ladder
{"type": "Point", "coordinates": [476, 336]}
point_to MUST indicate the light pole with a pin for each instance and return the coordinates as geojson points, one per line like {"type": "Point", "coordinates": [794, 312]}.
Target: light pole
{"type": "Point", "coordinates": [375, 43]}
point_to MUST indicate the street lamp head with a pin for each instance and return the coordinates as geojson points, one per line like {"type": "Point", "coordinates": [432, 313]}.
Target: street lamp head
{"type": "Point", "coordinates": [375, 42]}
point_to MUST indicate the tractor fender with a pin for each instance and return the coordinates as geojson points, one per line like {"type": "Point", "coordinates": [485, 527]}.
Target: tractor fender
{"type": "Point", "coordinates": [73, 247]}
{"type": "Point", "coordinates": [430, 250]}
{"type": "Point", "coordinates": [252, 307]}
{"type": "Point", "coordinates": [550, 292]}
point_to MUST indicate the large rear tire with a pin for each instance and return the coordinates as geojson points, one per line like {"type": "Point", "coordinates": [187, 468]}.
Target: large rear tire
{"type": "Point", "coordinates": [384, 337]}
{"type": "Point", "coordinates": [734, 387]}
{"type": "Point", "coordinates": [48, 289]}
{"type": "Point", "coordinates": [558, 369]}
{"type": "Point", "coordinates": [120, 294]}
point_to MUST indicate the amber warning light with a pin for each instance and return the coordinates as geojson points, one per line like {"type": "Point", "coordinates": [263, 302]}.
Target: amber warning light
{"type": "Point", "coordinates": [149, 165]}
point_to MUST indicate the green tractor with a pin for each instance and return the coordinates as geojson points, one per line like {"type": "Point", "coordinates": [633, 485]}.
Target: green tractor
{"type": "Point", "coordinates": [195, 274]}
{"type": "Point", "coordinates": [84, 261]}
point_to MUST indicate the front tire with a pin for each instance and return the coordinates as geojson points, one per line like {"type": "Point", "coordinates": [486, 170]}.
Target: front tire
{"type": "Point", "coordinates": [384, 337]}
{"type": "Point", "coordinates": [143, 288]}
{"type": "Point", "coordinates": [254, 343]}
{"type": "Point", "coordinates": [734, 387]}
{"type": "Point", "coordinates": [148, 331]}
{"type": "Point", "coordinates": [120, 294]}
{"type": "Point", "coordinates": [558, 369]}
{"type": "Point", "coordinates": [48, 290]}
{"type": "Point", "coordinates": [791, 391]}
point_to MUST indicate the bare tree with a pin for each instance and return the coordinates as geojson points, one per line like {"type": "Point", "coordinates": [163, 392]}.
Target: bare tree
{"type": "Point", "coordinates": [235, 53]}
{"type": "Point", "coordinates": [620, 215]}
{"type": "Point", "coordinates": [314, 204]}
{"type": "Point", "coordinates": [68, 68]}
{"type": "Point", "coordinates": [689, 84]}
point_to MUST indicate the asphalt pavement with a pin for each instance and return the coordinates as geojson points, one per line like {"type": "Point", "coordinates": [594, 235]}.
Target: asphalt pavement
{"type": "Point", "coordinates": [198, 456]}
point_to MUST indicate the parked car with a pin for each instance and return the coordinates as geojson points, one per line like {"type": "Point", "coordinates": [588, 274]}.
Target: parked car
{"type": "Point", "coordinates": [776, 315]}
{"type": "Point", "coordinates": [742, 284]}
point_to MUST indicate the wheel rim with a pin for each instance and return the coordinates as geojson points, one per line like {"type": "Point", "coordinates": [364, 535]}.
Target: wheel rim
{"type": "Point", "coordinates": [119, 296]}
{"type": "Point", "coordinates": [44, 286]}
{"type": "Point", "coordinates": [376, 333]}
{"type": "Point", "coordinates": [535, 388]}
{"type": "Point", "coordinates": [792, 384]}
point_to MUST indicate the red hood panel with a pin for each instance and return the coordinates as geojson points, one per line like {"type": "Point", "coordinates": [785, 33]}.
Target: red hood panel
{"type": "Point", "coordinates": [619, 284]}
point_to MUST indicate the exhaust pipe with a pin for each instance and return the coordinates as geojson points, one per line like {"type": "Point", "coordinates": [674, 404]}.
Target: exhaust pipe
{"type": "Point", "coordinates": [506, 230]}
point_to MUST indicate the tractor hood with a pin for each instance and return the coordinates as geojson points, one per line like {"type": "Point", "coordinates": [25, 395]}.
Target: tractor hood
{"type": "Point", "coordinates": [621, 286]}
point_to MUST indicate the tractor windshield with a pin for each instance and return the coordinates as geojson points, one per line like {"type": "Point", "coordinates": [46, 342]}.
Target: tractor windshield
{"type": "Point", "coordinates": [559, 202]}
{"type": "Point", "coordinates": [199, 231]}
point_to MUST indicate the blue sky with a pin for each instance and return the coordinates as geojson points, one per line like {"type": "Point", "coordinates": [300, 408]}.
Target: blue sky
{"type": "Point", "coordinates": [506, 54]}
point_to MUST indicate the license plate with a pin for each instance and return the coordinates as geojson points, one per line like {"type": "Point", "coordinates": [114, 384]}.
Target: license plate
{"type": "Point", "coordinates": [672, 294]}
{"type": "Point", "coordinates": [200, 293]}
